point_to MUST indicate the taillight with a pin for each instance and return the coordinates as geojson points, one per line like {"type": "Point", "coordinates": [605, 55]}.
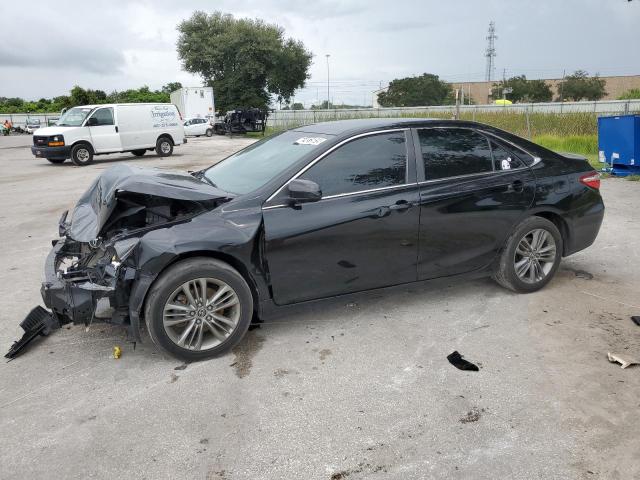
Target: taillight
{"type": "Point", "coordinates": [591, 180]}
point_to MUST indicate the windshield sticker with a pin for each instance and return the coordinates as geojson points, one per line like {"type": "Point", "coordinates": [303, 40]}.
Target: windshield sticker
{"type": "Point", "coordinates": [309, 141]}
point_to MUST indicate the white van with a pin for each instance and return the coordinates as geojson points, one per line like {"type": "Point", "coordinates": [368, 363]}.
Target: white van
{"type": "Point", "coordinates": [89, 130]}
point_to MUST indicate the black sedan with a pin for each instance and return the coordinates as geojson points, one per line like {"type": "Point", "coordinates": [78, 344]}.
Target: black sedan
{"type": "Point", "coordinates": [314, 212]}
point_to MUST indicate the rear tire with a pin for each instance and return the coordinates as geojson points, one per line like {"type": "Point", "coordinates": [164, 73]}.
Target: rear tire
{"type": "Point", "coordinates": [56, 160]}
{"type": "Point", "coordinates": [209, 132]}
{"type": "Point", "coordinates": [139, 153]}
{"type": "Point", "coordinates": [530, 257]}
{"type": "Point", "coordinates": [164, 147]}
{"type": "Point", "coordinates": [174, 321]}
{"type": "Point", "coordinates": [81, 154]}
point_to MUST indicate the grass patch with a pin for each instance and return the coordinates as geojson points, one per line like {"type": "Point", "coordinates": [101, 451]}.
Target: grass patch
{"type": "Point", "coordinates": [581, 144]}
{"type": "Point", "coordinates": [586, 145]}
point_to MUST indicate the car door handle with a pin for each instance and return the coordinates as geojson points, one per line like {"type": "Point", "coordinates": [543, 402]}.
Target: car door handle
{"type": "Point", "coordinates": [400, 205]}
{"type": "Point", "coordinates": [116, 129]}
{"type": "Point", "coordinates": [516, 186]}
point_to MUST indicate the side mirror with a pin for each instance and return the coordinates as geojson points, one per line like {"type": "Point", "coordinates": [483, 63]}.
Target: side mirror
{"type": "Point", "coordinates": [92, 122]}
{"type": "Point", "coordinates": [304, 191]}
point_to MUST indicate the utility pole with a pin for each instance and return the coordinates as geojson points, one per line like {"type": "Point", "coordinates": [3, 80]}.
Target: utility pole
{"type": "Point", "coordinates": [328, 102]}
{"type": "Point", "coordinates": [490, 53]}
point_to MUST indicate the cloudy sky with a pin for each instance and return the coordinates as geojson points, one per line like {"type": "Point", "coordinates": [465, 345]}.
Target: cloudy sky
{"type": "Point", "coordinates": [47, 47]}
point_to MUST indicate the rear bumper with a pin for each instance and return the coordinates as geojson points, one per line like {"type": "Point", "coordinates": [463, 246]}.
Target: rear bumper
{"type": "Point", "coordinates": [585, 225]}
{"type": "Point", "coordinates": [51, 152]}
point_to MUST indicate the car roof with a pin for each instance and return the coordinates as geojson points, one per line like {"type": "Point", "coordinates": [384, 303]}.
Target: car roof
{"type": "Point", "coordinates": [343, 127]}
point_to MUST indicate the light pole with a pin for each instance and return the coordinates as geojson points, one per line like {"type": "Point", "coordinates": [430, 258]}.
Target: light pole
{"type": "Point", "coordinates": [327, 55]}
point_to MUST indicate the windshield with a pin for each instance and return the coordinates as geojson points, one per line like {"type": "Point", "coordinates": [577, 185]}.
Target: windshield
{"type": "Point", "coordinates": [74, 116]}
{"type": "Point", "coordinates": [253, 167]}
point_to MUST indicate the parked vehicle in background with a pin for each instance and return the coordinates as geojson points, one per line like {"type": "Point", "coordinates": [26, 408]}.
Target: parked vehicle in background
{"type": "Point", "coordinates": [31, 125]}
{"type": "Point", "coordinates": [314, 212]}
{"type": "Point", "coordinates": [194, 102]}
{"type": "Point", "coordinates": [89, 130]}
{"type": "Point", "coordinates": [242, 120]}
{"type": "Point", "coordinates": [197, 127]}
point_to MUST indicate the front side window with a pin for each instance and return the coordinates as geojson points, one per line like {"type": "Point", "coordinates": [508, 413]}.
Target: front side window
{"type": "Point", "coordinates": [451, 152]}
{"type": "Point", "coordinates": [104, 116]}
{"type": "Point", "coordinates": [374, 161]}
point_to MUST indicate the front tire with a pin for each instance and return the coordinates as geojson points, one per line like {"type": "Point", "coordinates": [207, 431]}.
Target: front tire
{"type": "Point", "coordinates": [209, 132]}
{"type": "Point", "coordinates": [164, 147]}
{"type": "Point", "coordinates": [139, 153]}
{"type": "Point", "coordinates": [198, 309]}
{"type": "Point", "coordinates": [81, 154]}
{"type": "Point", "coordinates": [531, 256]}
{"type": "Point", "coordinates": [56, 160]}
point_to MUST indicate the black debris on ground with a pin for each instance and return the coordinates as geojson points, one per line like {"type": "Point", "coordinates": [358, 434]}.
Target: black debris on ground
{"type": "Point", "coordinates": [460, 363]}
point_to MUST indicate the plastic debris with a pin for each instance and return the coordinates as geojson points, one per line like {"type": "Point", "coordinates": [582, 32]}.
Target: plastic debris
{"type": "Point", "coordinates": [39, 322]}
{"type": "Point", "coordinates": [624, 360]}
{"type": "Point", "coordinates": [117, 352]}
{"type": "Point", "coordinates": [459, 362]}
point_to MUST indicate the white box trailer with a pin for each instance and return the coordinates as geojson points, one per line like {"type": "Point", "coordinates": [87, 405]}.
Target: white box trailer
{"type": "Point", "coordinates": [194, 102]}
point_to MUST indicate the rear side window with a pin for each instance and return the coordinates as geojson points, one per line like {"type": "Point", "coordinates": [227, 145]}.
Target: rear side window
{"type": "Point", "coordinates": [451, 152]}
{"type": "Point", "coordinates": [374, 161]}
{"type": "Point", "coordinates": [104, 116]}
{"type": "Point", "coordinates": [504, 159]}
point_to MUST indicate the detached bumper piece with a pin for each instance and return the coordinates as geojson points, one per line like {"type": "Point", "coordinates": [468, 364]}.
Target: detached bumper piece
{"type": "Point", "coordinates": [39, 322]}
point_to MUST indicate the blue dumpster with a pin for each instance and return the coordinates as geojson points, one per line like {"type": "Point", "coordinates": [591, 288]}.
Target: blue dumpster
{"type": "Point", "coordinates": [619, 144]}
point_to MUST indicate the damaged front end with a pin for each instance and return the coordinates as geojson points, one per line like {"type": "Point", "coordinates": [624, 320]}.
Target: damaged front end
{"type": "Point", "coordinates": [92, 268]}
{"type": "Point", "coordinates": [89, 281]}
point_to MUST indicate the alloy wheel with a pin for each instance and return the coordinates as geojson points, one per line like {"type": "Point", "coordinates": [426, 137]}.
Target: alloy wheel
{"type": "Point", "coordinates": [201, 314]}
{"type": "Point", "coordinates": [535, 255]}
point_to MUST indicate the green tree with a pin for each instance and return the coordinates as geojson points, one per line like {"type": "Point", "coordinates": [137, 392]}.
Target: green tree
{"type": "Point", "coordinates": [632, 94]}
{"type": "Point", "coordinates": [427, 89]}
{"type": "Point", "coordinates": [171, 87]}
{"type": "Point", "coordinates": [243, 60]}
{"type": "Point", "coordinates": [523, 90]}
{"type": "Point", "coordinates": [580, 86]}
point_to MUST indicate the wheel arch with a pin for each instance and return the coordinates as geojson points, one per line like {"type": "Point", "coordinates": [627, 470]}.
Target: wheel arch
{"type": "Point", "coordinates": [223, 257]}
{"type": "Point", "coordinates": [561, 224]}
{"type": "Point", "coordinates": [168, 135]}
{"type": "Point", "coordinates": [83, 142]}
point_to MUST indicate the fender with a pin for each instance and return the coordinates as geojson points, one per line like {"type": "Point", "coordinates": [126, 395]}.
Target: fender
{"type": "Point", "coordinates": [229, 237]}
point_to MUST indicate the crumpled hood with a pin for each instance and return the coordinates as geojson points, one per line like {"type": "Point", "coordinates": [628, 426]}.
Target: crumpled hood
{"type": "Point", "coordinates": [97, 204]}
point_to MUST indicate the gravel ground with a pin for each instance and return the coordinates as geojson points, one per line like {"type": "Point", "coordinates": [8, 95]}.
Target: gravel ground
{"type": "Point", "coordinates": [355, 387]}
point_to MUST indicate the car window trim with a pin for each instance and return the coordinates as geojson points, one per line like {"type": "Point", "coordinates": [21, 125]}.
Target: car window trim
{"type": "Point", "coordinates": [336, 146]}
{"type": "Point", "coordinates": [348, 194]}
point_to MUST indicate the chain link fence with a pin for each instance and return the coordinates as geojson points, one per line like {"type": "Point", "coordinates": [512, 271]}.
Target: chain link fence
{"type": "Point", "coordinates": [524, 119]}
{"type": "Point", "coordinates": [20, 119]}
